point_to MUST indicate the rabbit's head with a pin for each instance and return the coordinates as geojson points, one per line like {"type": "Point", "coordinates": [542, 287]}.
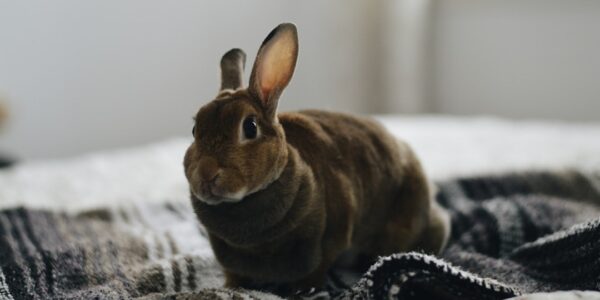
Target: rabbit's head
{"type": "Point", "coordinates": [239, 146]}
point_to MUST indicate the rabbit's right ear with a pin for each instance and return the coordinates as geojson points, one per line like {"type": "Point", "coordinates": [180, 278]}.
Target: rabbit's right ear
{"type": "Point", "coordinates": [232, 69]}
{"type": "Point", "coordinates": [274, 66]}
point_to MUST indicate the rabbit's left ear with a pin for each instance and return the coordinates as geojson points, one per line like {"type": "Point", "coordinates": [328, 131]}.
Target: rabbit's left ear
{"type": "Point", "coordinates": [274, 66]}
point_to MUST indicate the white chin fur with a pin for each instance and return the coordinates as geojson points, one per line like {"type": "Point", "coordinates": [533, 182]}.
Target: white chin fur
{"type": "Point", "coordinates": [239, 195]}
{"type": "Point", "coordinates": [229, 198]}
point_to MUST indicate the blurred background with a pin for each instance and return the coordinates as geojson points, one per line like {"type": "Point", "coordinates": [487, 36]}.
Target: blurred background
{"type": "Point", "coordinates": [78, 76]}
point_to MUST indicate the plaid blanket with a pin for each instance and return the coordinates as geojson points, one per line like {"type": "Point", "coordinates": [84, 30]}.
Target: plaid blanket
{"type": "Point", "coordinates": [512, 234]}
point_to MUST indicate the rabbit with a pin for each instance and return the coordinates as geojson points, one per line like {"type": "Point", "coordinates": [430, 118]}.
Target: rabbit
{"type": "Point", "coordinates": [283, 195]}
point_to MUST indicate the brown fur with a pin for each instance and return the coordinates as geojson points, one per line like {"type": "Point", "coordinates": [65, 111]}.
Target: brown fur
{"type": "Point", "coordinates": [319, 183]}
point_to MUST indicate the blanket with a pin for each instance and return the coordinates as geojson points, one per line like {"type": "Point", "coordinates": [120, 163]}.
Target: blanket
{"type": "Point", "coordinates": [512, 234]}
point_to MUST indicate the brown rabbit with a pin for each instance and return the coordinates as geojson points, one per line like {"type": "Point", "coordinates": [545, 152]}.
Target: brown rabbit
{"type": "Point", "coordinates": [282, 195]}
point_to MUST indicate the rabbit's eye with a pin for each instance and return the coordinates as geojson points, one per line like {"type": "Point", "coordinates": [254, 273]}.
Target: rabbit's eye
{"type": "Point", "coordinates": [194, 130]}
{"type": "Point", "coordinates": [250, 128]}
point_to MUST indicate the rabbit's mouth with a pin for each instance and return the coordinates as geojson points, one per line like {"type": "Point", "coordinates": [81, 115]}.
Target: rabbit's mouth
{"type": "Point", "coordinates": [212, 197]}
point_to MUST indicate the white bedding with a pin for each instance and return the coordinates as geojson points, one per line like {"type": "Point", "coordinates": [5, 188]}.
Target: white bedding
{"type": "Point", "coordinates": [447, 146]}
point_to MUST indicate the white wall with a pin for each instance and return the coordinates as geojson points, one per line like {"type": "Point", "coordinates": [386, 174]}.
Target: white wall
{"type": "Point", "coordinates": [84, 75]}
{"type": "Point", "coordinates": [89, 75]}
{"type": "Point", "coordinates": [406, 55]}
{"type": "Point", "coordinates": [517, 58]}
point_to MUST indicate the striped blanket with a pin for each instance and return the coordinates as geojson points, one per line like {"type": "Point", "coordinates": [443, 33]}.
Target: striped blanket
{"type": "Point", "coordinates": [512, 234]}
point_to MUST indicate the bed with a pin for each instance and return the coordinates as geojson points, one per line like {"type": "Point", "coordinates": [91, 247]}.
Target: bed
{"type": "Point", "coordinates": [141, 192]}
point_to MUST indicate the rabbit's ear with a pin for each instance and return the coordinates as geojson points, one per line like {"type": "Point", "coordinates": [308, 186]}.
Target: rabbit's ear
{"type": "Point", "coordinates": [232, 69]}
{"type": "Point", "coordinates": [274, 66]}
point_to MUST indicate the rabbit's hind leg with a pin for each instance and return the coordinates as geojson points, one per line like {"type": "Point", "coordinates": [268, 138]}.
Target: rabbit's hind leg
{"type": "Point", "coordinates": [414, 221]}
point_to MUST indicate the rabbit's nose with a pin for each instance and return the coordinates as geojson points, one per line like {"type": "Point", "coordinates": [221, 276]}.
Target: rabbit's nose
{"type": "Point", "coordinates": [209, 169]}
{"type": "Point", "coordinates": [211, 179]}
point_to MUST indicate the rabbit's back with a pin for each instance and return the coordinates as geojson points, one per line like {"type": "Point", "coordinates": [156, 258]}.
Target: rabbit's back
{"type": "Point", "coordinates": [358, 164]}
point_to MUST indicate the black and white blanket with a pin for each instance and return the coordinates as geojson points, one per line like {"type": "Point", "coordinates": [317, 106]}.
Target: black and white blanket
{"type": "Point", "coordinates": [512, 234]}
